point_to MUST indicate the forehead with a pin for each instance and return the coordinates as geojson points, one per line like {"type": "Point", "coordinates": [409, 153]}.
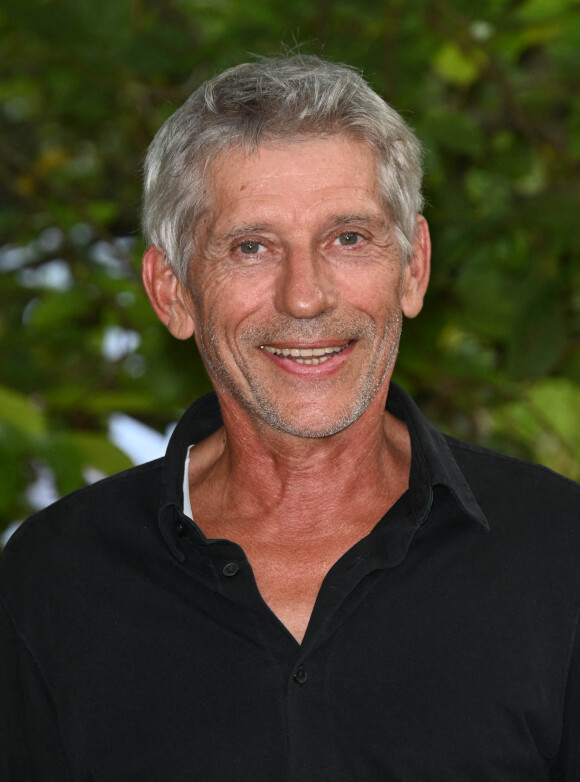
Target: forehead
{"type": "Point", "coordinates": [306, 173]}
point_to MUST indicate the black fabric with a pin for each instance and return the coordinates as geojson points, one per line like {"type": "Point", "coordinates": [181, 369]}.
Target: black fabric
{"type": "Point", "coordinates": [442, 647]}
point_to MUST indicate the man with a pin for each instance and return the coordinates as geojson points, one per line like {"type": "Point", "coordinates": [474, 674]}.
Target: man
{"type": "Point", "coordinates": [313, 584]}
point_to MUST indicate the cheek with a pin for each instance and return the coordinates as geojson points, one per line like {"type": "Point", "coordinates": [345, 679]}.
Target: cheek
{"type": "Point", "coordinates": [239, 297]}
{"type": "Point", "coordinates": [378, 280]}
{"type": "Point", "coordinates": [224, 312]}
{"type": "Point", "coordinates": [376, 297]}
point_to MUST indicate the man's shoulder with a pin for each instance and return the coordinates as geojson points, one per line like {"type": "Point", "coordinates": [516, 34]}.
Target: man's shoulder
{"type": "Point", "coordinates": [114, 509]}
{"type": "Point", "coordinates": [503, 483]}
{"type": "Point", "coordinates": [109, 495]}
{"type": "Point", "coordinates": [510, 466]}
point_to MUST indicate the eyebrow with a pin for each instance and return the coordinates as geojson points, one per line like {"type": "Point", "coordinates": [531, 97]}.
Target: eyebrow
{"type": "Point", "coordinates": [372, 220]}
{"type": "Point", "coordinates": [242, 230]}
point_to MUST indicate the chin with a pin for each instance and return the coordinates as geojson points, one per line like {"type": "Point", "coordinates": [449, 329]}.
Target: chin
{"type": "Point", "coordinates": [311, 425]}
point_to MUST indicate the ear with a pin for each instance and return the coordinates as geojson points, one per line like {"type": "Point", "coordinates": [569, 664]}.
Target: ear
{"type": "Point", "coordinates": [168, 296]}
{"type": "Point", "coordinates": [417, 271]}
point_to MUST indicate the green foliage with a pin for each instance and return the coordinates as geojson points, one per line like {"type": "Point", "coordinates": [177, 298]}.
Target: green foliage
{"type": "Point", "coordinates": [493, 94]}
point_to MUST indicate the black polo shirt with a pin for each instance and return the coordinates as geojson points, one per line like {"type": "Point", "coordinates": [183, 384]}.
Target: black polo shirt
{"type": "Point", "coordinates": [442, 647]}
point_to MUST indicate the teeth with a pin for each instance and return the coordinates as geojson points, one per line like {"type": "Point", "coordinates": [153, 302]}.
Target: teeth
{"type": "Point", "coordinates": [312, 361]}
{"type": "Point", "coordinates": [310, 356]}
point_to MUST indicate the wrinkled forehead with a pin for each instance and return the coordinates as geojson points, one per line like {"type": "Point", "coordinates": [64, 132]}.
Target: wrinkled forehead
{"type": "Point", "coordinates": [308, 161]}
{"type": "Point", "coordinates": [239, 150]}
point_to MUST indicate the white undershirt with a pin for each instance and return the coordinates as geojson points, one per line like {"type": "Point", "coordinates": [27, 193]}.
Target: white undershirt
{"type": "Point", "coordinates": [186, 500]}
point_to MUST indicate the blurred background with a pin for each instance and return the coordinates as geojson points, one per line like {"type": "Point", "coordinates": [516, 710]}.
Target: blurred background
{"type": "Point", "coordinates": [91, 383]}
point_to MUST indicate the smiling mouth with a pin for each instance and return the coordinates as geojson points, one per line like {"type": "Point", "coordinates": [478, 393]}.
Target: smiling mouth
{"type": "Point", "coordinates": [311, 356]}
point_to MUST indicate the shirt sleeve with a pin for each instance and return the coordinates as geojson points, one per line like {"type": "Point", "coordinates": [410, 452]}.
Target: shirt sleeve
{"type": "Point", "coordinates": [30, 745]}
{"type": "Point", "coordinates": [568, 760]}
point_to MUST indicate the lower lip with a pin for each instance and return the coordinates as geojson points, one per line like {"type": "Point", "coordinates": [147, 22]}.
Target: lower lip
{"type": "Point", "coordinates": [324, 369]}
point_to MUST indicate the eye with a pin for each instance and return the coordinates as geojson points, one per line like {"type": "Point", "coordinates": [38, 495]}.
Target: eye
{"type": "Point", "coordinates": [251, 248]}
{"type": "Point", "coordinates": [348, 238]}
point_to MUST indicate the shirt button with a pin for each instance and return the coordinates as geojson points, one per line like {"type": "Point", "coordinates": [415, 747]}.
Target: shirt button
{"type": "Point", "coordinates": [179, 528]}
{"type": "Point", "coordinates": [300, 675]}
{"type": "Point", "coordinates": [230, 569]}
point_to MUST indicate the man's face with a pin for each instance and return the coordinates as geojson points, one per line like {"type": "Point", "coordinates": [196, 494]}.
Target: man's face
{"type": "Point", "coordinates": [298, 284]}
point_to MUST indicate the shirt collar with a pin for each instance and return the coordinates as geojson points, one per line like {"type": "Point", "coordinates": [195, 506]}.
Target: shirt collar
{"type": "Point", "coordinates": [433, 464]}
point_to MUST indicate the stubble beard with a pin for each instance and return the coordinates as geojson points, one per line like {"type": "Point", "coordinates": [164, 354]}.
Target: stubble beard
{"type": "Point", "coordinates": [258, 401]}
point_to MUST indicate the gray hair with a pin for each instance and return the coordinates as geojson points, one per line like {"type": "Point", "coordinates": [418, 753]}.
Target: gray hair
{"type": "Point", "coordinates": [270, 100]}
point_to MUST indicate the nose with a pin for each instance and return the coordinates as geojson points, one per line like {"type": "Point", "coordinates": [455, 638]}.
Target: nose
{"type": "Point", "coordinates": [306, 286]}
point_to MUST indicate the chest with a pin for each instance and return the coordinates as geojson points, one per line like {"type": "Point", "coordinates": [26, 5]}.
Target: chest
{"type": "Point", "coordinates": [436, 669]}
{"type": "Point", "coordinates": [289, 574]}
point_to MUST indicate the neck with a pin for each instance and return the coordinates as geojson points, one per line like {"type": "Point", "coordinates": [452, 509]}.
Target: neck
{"type": "Point", "coordinates": [303, 485]}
